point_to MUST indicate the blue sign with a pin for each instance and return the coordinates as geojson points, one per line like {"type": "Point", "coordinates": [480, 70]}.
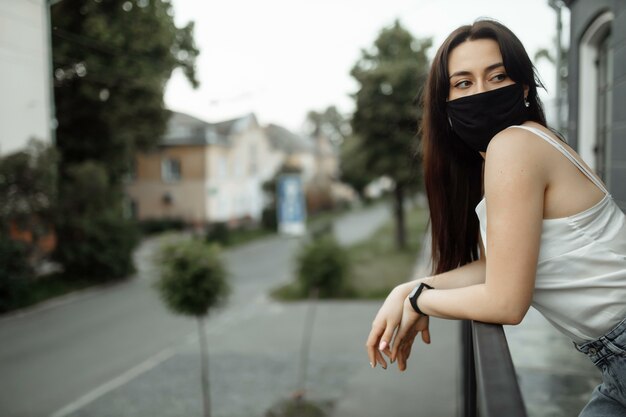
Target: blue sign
{"type": "Point", "coordinates": [291, 208]}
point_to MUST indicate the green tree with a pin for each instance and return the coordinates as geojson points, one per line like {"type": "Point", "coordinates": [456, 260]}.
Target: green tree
{"type": "Point", "coordinates": [28, 191]}
{"type": "Point", "coordinates": [112, 59]}
{"type": "Point", "coordinates": [98, 239]}
{"type": "Point", "coordinates": [353, 157]}
{"type": "Point", "coordinates": [193, 281]}
{"type": "Point", "coordinates": [16, 273]}
{"type": "Point", "coordinates": [390, 76]}
{"type": "Point", "coordinates": [330, 122]}
{"type": "Point", "coordinates": [323, 267]}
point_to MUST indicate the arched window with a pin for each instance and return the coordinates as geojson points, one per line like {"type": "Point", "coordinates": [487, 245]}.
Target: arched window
{"type": "Point", "coordinates": [595, 95]}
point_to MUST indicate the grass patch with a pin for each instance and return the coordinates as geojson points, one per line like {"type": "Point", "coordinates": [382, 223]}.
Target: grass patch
{"type": "Point", "coordinates": [241, 236]}
{"type": "Point", "coordinates": [376, 266]}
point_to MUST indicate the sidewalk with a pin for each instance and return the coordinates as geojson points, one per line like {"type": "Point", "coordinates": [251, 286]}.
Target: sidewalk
{"type": "Point", "coordinates": [430, 386]}
{"type": "Point", "coordinates": [254, 348]}
{"type": "Point", "coordinates": [555, 379]}
{"type": "Point", "coordinates": [254, 356]}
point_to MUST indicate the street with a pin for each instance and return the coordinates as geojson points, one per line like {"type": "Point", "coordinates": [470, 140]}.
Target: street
{"type": "Point", "coordinates": [55, 355]}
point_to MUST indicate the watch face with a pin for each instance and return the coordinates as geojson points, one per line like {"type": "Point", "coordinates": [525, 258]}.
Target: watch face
{"type": "Point", "coordinates": [413, 292]}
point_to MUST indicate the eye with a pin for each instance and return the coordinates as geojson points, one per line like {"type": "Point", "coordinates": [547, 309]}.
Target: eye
{"type": "Point", "coordinates": [499, 77]}
{"type": "Point", "coordinates": [462, 84]}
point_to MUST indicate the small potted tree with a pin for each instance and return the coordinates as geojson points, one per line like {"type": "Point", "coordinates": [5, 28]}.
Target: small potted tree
{"type": "Point", "coordinates": [193, 281]}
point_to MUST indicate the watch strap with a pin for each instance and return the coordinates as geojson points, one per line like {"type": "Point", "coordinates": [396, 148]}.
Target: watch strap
{"type": "Point", "coordinates": [413, 299]}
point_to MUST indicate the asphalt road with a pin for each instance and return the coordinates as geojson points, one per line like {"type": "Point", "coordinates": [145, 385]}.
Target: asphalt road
{"type": "Point", "coordinates": [54, 358]}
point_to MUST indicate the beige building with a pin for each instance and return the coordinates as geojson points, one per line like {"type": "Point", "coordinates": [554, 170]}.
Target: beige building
{"type": "Point", "coordinates": [204, 173]}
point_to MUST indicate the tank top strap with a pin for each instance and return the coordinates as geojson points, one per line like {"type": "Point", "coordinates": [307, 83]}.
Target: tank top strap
{"type": "Point", "coordinates": [568, 155]}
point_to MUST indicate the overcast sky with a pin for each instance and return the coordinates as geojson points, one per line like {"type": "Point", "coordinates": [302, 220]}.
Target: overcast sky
{"type": "Point", "coordinates": [282, 58]}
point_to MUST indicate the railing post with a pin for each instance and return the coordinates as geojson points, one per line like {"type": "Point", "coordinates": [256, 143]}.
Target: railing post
{"type": "Point", "coordinates": [468, 377]}
{"type": "Point", "coordinates": [498, 392]}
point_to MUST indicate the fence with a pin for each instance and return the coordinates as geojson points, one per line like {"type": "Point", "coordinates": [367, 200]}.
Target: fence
{"type": "Point", "coordinates": [490, 387]}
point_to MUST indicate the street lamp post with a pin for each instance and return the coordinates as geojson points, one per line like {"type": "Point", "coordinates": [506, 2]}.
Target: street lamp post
{"type": "Point", "coordinates": [53, 114]}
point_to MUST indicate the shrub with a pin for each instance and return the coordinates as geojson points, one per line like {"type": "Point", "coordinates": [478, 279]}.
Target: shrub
{"type": "Point", "coordinates": [15, 273]}
{"type": "Point", "coordinates": [95, 241]}
{"type": "Point", "coordinates": [218, 233]}
{"type": "Point", "coordinates": [323, 264]}
{"type": "Point", "coordinates": [193, 277]}
{"type": "Point", "coordinates": [153, 226]}
{"type": "Point", "coordinates": [268, 218]}
{"type": "Point", "coordinates": [98, 247]}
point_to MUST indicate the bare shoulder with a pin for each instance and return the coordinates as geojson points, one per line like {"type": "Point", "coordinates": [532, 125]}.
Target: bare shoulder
{"type": "Point", "coordinates": [517, 151]}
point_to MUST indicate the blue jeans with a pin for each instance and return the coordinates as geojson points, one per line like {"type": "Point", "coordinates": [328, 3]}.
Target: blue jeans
{"type": "Point", "coordinates": [609, 354]}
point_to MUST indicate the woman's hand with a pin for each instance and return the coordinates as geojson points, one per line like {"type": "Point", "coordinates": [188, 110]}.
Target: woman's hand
{"type": "Point", "coordinates": [384, 325]}
{"type": "Point", "coordinates": [410, 325]}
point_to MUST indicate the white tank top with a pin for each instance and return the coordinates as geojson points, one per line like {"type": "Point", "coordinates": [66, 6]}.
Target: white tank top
{"type": "Point", "coordinates": [580, 285]}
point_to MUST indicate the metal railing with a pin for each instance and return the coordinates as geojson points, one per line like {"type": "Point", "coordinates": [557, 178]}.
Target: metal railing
{"type": "Point", "coordinates": [490, 387]}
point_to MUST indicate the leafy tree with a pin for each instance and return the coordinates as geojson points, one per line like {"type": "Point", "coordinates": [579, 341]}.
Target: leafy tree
{"type": "Point", "coordinates": [390, 75]}
{"type": "Point", "coordinates": [354, 170]}
{"type": "Point", "coordinates": [323, 267]}
{"type": "Point", "coordinates": [330, 123]}
{"type": "Point", "coordinates": [112, 60]}
{"type": "Point", "coordinates": [15, 272]}
{"type": "Point", "coordinates": [193, 281]}
{"type": "Point", "coordinates": [98, 240]}
{"type": "Point", "coordinates": [28, 191]}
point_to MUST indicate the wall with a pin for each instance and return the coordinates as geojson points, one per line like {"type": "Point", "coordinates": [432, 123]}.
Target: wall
{"type": "Point", "coordinates": [148, 189]}
{"type": "Point", "coordinates": [583, 14]}
{"type": "Point", "coordinates": [24, 73]}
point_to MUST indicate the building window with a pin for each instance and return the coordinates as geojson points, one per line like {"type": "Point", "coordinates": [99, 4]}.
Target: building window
{"type": "Point", "coordinates": [170, 170]}
{"type": "Point", "coordinates": [253, 159]}
{"type": "Point", "coordinates": [222, 167]}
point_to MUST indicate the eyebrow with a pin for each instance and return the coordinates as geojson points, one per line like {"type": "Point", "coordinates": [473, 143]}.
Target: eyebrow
{"type": "Point", "coordinates": [489, 68]}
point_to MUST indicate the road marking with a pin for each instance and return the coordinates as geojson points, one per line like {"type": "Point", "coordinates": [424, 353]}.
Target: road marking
{"type": "Point", "coordinates": [115, 382]}
{"type": "Point", "coordinates": [220, 324]}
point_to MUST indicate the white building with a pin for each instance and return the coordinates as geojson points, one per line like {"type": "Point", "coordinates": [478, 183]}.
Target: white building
{"type": "Point", "coordinates": [25, 74]}
{"type": "Point", "coordinates": [204, 172]}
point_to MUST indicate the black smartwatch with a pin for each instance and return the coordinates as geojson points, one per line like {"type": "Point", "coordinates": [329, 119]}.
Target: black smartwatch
{"type": "Point", "coordinates": [415, 294]}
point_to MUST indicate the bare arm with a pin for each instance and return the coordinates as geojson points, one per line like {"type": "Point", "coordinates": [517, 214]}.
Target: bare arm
{"type": "Point", "coordinates": [390, 314]}
{"type": "Point", "coordinates": [496, 289]}
{"type": "Point", "coordinates": [464, 276]}
{"type": "Point", "coordinates": [514, 186]}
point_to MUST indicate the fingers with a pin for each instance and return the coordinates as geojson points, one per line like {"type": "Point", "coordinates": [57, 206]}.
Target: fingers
{"type": "Point", "coordinates": [372, 343]}
{"type": "Point", "coordinates": [426, 336]}
{"type": "Point", "coordinates": [377, 343]}
{"type": "Point", "coordinates": [406, 352]}
{"type": "Point", "coordinates": [402, 358]}
{"type": "Point", "coordinates": [381, 359]}
{"type": "Point", "coordinates": [385, 340]}
{"type": "Point", "coordinates": [400, 335]}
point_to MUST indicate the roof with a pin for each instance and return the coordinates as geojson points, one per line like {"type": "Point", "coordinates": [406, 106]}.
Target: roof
{"type": "Point", "coordinates": [287, 141]}
{"type": "Point", "coordinates": [184, 129]}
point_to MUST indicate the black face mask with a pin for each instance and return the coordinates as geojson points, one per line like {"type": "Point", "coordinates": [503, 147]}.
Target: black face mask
{"type": "Point", "coordinates": [479, 117]}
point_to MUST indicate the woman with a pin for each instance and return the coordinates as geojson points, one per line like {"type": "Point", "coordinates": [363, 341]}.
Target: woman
{"type": "Point", "coordinates": [555, 239]}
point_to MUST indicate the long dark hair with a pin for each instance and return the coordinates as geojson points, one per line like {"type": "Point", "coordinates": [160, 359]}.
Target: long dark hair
{"type": "Point", "coordinates": [452, 171]}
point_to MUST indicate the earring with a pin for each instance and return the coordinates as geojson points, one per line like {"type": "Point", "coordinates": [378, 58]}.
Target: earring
{"type": "Point", "coordinates": [526, 102]}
